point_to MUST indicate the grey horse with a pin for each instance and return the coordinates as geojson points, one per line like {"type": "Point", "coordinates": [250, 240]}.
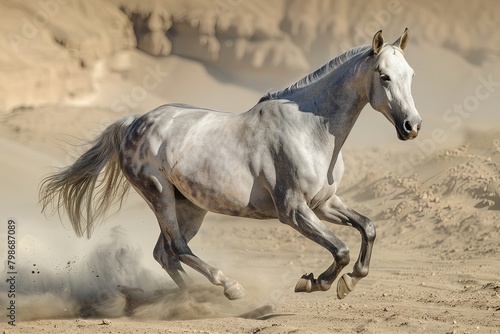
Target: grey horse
{"type": "Point", "coordinates": [280, 159]}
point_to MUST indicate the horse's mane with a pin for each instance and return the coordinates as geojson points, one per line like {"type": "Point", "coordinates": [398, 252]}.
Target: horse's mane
{"type": "Point", "coordinates": [318, 74]}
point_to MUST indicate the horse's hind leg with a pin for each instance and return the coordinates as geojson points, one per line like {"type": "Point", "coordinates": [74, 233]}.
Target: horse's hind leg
{"type": "Point", "coordinates": [189, 218]}
{"type": "Point", "coordinates": [161, 195]}
{"type": "Point", "coordinates": [164, 255]}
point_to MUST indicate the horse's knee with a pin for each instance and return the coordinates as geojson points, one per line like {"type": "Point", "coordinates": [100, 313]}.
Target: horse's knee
{"type": "Point", "coordinates": [369, 230]}
{"type": "Point", "coordinates": [342, 256]}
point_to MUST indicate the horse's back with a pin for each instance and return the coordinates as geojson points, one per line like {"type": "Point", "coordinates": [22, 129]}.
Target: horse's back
{"type": "Point", "coordinates": [182, 127]}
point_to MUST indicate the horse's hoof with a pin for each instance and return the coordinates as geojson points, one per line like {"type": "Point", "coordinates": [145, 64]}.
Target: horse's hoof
{"type": "Point", "coordinates": [235, 291]}
{"type": "Point", "coordinates": [305, 283]}
{"type": "Point", "coordinates": [345, 286]}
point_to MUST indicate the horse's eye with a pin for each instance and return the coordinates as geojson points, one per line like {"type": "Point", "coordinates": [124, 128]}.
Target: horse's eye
{"type": "Point", "coordinates": [385, 77]}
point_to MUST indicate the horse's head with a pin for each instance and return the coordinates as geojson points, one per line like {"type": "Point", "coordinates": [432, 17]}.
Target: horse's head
{"type": "Point", "coordinates": [389, 88]}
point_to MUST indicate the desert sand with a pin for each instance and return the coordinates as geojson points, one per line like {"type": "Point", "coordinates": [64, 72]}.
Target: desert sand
{"type": "Point", "coordinates": [69, 68]}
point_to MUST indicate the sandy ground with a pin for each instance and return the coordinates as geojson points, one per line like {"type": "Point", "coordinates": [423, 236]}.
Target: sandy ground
{"type": "Point", "coordinates": [435, 201]}
{"type": "Point", "coordinates": [435, 267]}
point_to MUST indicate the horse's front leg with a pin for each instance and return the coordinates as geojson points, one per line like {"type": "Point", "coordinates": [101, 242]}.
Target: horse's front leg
{"type": "Point", "coordinates": [303, 219]}
{"type": "Point", "coordinates": [335, 211]}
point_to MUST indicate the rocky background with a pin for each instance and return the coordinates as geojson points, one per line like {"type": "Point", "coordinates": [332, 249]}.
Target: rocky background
{"type": "Point", "coordinates": [50, 46]}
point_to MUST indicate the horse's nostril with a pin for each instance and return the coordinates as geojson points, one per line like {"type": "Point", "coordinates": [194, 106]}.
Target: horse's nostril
{"type": "Point", "coordinates": [408, 126]}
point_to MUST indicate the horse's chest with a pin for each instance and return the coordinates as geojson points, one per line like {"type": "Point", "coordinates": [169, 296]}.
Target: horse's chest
{"type": "Point", "coordinates": [320, 189]}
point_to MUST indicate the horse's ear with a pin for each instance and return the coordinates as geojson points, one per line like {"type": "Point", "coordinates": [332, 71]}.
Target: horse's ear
{"type": "Point", "coordinates": [403, 40]}
{"type": "Point", "coordinates": [378, 42]}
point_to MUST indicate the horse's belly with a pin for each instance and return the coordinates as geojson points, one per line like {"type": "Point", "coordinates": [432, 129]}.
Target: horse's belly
{"type": "Point", "coordinates": [227, 194]}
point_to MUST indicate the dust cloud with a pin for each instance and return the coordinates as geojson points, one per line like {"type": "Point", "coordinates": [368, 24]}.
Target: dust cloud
{"type": "Point", "coordinates": [110, 280]}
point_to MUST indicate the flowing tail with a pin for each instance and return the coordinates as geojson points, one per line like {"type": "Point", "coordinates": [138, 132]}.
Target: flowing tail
{"type": "Point", "coordinates": [92, 184]}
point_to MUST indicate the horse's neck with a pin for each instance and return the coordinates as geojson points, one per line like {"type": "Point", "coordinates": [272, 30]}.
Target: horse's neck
{"type": "Point", "coordinates": [337, 99]}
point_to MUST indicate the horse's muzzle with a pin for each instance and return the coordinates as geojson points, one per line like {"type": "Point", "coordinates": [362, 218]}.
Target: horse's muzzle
{"type": "Point", "coordinates": [409, 129]}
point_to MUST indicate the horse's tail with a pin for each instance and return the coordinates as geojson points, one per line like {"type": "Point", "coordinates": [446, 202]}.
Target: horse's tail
{"type": "Point", "coordinates": [92, 184]}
